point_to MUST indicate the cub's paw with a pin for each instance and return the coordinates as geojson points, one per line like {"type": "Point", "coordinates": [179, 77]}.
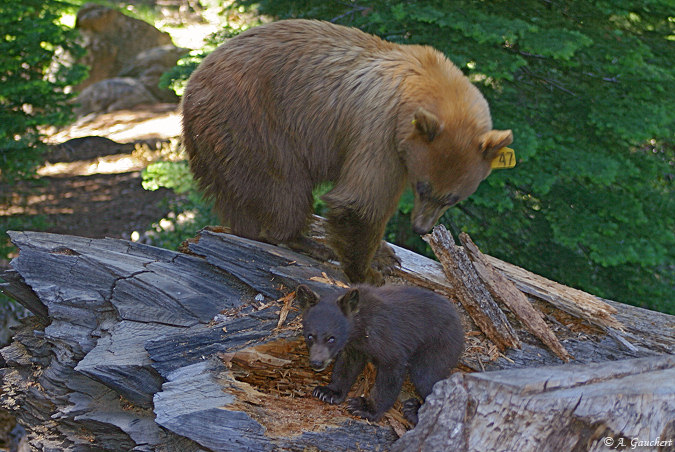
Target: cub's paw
{"type": "Point", "coordinates": [385, 260]}
{"type": "Point", "coordinates": [362, 407]}
{"type": "Point", "coordinates": [410, 409]}
{"type": "Point", "coordinates": [325, 394]}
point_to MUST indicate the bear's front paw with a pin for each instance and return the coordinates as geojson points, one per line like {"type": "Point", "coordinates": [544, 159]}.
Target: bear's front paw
{"type": "Point", "coordinates": [326, 394]}
{"type": "Point", "coordinates": [374, 277]}
{"type": "Point", "coordinates": [362, 407]}
{"type": "Point", "coordinates": [385, 259]}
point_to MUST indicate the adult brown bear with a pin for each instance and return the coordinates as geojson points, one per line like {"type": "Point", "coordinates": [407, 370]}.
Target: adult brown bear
{"type": "Point", "coordinates": [285, 106]}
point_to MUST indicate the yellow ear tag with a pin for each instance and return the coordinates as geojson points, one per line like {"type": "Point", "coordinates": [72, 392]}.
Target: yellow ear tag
{"type": "Point", "coordinates": [505, 158]}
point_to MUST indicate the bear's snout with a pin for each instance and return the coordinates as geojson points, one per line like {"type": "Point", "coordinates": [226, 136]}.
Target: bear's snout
{"type": "Point", "coordinates": [318, 366]}
{"type": "Point", "coordinates": [420, 230]}
{"type": "Point", "coordinates": [319, 357]}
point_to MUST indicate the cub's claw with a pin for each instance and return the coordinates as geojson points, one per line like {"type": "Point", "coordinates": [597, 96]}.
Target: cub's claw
{"type": "Point", "coordinates": [410, 409]}
{"type": "Point", "coordinates": [325, 394]}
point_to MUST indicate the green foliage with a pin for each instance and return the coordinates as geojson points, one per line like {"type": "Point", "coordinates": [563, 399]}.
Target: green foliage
{"type": "Point", "coordinates": [33, 223]}
{"type": "Point", "coordinates": [586, 88]}
{"type": "Point", "coordinates": [320, 190]}
{"type": "Point", "coordinates": [173, 175]}
{"type": "Point", "coordinates": [33, 78]}
{"type": "Point", "coordinates": [176, 78]}
{"type": "Point", "coordinates": [188, 214]}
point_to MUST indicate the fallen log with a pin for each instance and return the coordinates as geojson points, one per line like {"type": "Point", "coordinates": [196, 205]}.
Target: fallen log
{"type": "Point", "coordinates": [470, 291]}
{"type": "Point", "coordinates": [132, 347]}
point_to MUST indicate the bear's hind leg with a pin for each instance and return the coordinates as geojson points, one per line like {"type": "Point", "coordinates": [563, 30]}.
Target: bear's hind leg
{"type": "Point", "coordinates": [410, 409]}
{"type": "Point", "coordinates": [312, 248]}
{"type": "Point", "coordinates": [427, 368]}
{"type": "Point", "coordinates": [274, 212]}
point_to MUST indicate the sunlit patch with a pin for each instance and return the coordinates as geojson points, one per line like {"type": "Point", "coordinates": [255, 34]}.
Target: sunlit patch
{"type": "Point", "coordinates": [34, 210]}
{"type": "Point", "coordinates": [158, 121]}
{"type": "Point", "coordinates": [110, 164]}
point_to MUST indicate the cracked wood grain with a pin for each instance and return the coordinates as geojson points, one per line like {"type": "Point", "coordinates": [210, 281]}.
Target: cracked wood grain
{"type": "Point", "coordinates": [505, 292]}
{"type": "Point", "coordinates": [137, 348]}
{"type": "Point", "coordinates": [572, 407]}
{"type": "Point", "coordinates": [470, 290]}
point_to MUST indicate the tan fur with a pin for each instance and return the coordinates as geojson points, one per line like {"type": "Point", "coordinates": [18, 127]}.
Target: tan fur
{"type": "Point", "coordinates": [285, 106]}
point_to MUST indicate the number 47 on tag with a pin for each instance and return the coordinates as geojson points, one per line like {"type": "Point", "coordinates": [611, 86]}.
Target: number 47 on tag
{"type": "Point", "coordinates": [505, 158]}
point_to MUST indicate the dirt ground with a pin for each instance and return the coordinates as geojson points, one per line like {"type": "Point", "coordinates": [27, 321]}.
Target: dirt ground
{"type": "Point", "coordinates": [90, 185]}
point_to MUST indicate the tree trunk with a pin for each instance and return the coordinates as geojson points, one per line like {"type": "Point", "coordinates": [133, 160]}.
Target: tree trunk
{"type": "Point", "coordinates": [132, 347]}
{"type": "Point", "coordinates": [593, 407]}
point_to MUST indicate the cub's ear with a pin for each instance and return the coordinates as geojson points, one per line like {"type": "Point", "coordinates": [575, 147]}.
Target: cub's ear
{"type": "Point", "coordinates": [426, 124]}
{"type": "Point", "coordinates": [306, 297]}
{"type": "Point", "coordinates": [493, 141]}
{"type": "Point", "coordinates": [349, 302]}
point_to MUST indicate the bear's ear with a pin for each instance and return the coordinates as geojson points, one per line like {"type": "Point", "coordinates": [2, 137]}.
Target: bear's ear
{"type": "Point", "coordinates": [426, 124]}
{"type": "Point", "coordinates": [349, 302]}
{"type": "Point", "coordinates": [493, 141]}
{"type": "Point", "coordinates": [306, 297]}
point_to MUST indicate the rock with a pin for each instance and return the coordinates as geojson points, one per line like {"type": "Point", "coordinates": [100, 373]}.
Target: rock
{"type": "Point", "coordinates": [113, 39]}
{"type": "Point", "coordinates": [113, 94]}
{"type": "Point", "coordinates": [149, 65]}
{"type": "Point", "coordinates": [126, 57]}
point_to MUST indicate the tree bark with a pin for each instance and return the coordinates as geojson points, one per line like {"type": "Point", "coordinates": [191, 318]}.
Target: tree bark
{"type": "Point", "coordinates": [595, 407]}
{"type": "Point", "coordinates": [132, 347]}
{"type": "Point", "coordinates": [506, 293]}
{"type": "Point", "coordinates": [470, 291]}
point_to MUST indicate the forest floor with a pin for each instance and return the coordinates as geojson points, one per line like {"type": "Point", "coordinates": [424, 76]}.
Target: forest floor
{"type": "Point", "coordinates": [90, 183]}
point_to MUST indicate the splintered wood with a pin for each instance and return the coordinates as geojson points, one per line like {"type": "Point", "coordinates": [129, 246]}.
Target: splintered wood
{"type": "Point", "coordinates": [478, 281]}
{"type": "Point", "coordinates": [505, 292]}
{"type": "Point", "coordinates": [274, 384]}
{"type": "Point", "coordinates": [285, 308]}
{"type": "Point", "coordinates": [573, 301]}
{"type": "Point", "coordinates": [470, 291]}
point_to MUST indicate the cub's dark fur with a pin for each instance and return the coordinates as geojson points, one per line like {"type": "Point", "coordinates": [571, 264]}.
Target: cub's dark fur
{"type": "Point", "coordinates": [399, 329]}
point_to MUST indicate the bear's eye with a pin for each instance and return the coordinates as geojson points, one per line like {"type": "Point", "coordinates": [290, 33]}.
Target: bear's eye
{"type": "Point", "coordinates": [450, 200]}
{"type": "Point", "coordinates": [331, 340]}
{"type": "Point", "coordinates": [423, 189]}
{"type": "Point", "coordinates": [310, 338]}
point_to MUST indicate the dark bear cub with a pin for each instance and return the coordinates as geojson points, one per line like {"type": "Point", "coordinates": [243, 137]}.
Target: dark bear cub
{"type": "Point", "coordinates": [399, 329]}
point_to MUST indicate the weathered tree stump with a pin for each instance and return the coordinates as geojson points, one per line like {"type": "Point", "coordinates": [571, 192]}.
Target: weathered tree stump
{"type": "Point", "coordinates": [132, 347]}
{"type": "Point", "coordinates": [594, 407]}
